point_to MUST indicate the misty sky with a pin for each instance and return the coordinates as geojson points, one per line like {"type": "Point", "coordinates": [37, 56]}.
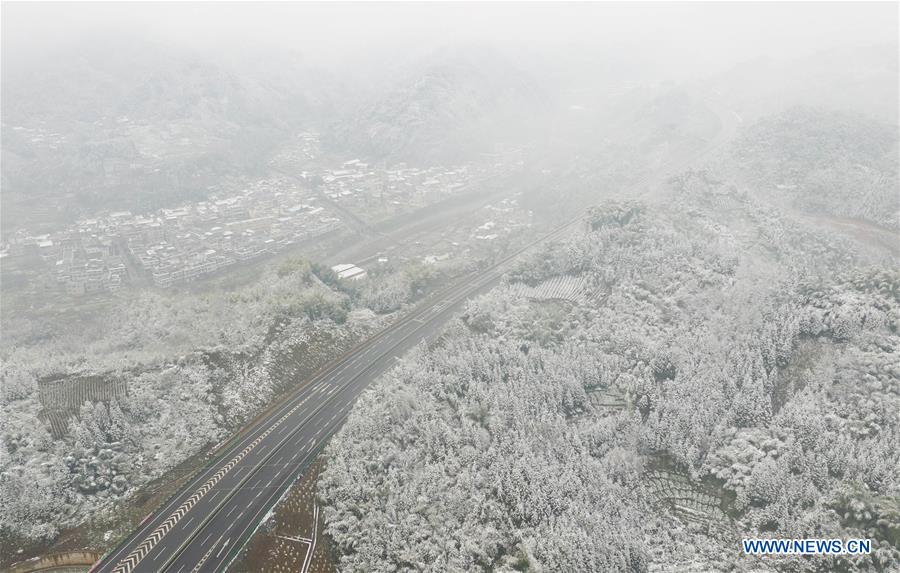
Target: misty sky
{"type": "Point", "coordinates": [687, 38]}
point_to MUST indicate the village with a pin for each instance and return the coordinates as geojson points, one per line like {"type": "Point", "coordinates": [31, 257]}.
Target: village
{"type": "Point", "coordinates": [181, 244]}
{"type": "Point", "coordinates": [178, 245]}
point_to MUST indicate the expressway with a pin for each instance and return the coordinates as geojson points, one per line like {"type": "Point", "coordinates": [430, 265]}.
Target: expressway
{"type": "Point", "coordinates": [205, 525]}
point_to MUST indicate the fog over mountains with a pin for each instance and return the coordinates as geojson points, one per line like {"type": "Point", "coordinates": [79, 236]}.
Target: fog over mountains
{"type": "Point", "coordinates": [81, 121]}
{"type": "Point", "coordinates": [451, 105]}
{"type": "Point", "coordinates": [143, 126]}
{"type": "Point", "coordinates": [449, 286]}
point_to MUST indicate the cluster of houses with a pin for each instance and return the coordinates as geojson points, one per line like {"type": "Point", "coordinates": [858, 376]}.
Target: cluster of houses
{"type": "Point", "coordinates": [206, 236]}
{"type": "Point", "coordinates": [380, 189]}
{"type": "Point", "coordinates": [357, 185]}
{"type": "Point", "coordinates": [177, 245]}
{"type": "Point", "coordinates": [82, 262]}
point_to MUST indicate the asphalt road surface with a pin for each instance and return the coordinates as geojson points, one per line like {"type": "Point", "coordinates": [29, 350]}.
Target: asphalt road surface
{"type": "Point", "coordinates": [206, 524]}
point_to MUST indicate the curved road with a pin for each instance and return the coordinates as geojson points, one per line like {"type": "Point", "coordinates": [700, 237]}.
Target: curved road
{"type": "Point", "coordinates": [205, 525]}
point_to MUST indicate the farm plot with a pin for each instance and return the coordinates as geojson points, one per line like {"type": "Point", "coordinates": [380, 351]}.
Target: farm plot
{"type": "Point", "coordinates": [62, 398]}
{"type": "Point", "coordinates": [569, 288]}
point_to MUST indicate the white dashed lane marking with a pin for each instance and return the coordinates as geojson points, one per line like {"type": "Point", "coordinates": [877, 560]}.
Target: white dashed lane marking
{"type": "Point", "coordinates": [128, 564]}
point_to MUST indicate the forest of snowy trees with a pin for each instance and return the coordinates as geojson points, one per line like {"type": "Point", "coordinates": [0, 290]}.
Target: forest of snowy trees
{"type": "Point", "coordinates": [726, 343]}
{"type": "Point", "coordinates": [631, 287]}
{"type": "Point", "coordinates": [838, 163]}
{"type": "Point", "coordinates": [714, 339]}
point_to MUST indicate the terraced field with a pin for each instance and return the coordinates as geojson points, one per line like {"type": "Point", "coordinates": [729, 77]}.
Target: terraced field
{"type": "Point", "coordinates": [62, 398]}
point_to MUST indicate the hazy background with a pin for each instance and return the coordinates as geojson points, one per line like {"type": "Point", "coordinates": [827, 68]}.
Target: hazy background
{"type": "Point", "coordinates": [138, 105]}
{"type": "Point", "coordinates": [184, 187]}
{"type": "Point", "coordinates": [143, 105]}
{"type": "Point", "coordinates": [682, 38]}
